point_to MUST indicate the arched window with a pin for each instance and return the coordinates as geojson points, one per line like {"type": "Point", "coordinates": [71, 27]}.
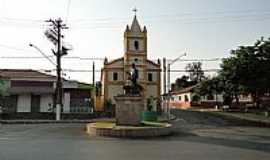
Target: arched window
{"type": "Point", "coordinates": [136, 45]}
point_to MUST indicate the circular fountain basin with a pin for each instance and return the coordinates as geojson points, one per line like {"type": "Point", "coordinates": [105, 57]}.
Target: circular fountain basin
{"type": "Point", "coordinates": [147, 129]}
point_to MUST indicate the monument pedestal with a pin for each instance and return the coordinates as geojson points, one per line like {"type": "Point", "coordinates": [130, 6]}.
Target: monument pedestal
{"type": "Point", "coordinates": [128, 110]}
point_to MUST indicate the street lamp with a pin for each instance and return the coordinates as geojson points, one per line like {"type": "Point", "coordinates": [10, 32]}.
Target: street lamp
{"type": "Point", "coordinates": [58, 111]}
{"type": "Point", "coordinates": [43, 54]}
{"type": "Point", "coordinates": [168, 81]}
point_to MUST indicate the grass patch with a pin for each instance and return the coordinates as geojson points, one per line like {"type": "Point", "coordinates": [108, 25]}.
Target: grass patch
{"type": "Point", "coordinates": [105, 124]}
{"type": "Point", "coordinates": [154, 124]}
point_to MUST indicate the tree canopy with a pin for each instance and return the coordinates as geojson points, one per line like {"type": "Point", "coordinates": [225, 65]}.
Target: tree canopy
{"type": "Point", "coordinates": [195, 71]}
{"type": "Point", "coordinates": [196, 75]}
{"type": "Point", "coordinates": [248, 69]}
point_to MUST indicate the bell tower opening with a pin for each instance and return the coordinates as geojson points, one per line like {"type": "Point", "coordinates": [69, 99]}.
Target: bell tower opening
{"type": "Point", "coordinates": [135, 38]}
{"type": "Point", "coordinates": [136, 45]}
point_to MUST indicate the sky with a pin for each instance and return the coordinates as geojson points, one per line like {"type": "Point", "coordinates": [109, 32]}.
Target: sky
{"type": "Point", "coordinates": [204, 29]}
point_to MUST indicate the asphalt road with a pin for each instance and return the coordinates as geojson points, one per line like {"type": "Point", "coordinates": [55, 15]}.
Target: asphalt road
{"type": "Point", "coordinates": [198, 136]}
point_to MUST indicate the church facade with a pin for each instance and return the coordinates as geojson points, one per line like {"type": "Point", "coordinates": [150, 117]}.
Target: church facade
{"type": "Point", "coordinates": [114, 74]}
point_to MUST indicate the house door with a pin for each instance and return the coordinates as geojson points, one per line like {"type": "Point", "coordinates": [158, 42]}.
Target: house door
{"type": "Point", "coordinates": [35, 103]}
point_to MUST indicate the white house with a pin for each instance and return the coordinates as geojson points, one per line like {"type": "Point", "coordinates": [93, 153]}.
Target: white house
{"type": "Point", "coordinates": [33, 91]}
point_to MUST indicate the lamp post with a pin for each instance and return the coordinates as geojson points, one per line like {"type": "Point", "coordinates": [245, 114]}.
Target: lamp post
{"type": "Point", "coordinates": [43, 54]}
{"type": "Point", "coordinates": [53, 63]}
{"type": "Point", "coordinates": [168, 81]}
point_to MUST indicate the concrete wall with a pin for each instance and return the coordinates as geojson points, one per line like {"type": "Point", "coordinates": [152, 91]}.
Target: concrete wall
{"type": "Point", "coordinates": [176, 98]}
{"type": "Point", "coordinates": [70, 84]}
{"type": "Point", "coordinates": [132, 46]}
{"type": "Point", "coordinates": [141, 73]}
{"type": "Point", "coordinates": [120, 75]}
{"type": "Point", "coordinates": [114, 90]}
{"type": "Point", "coordinates": [138, 62]}
{"type": "Point", "coordinates": [24, 103]}
{"type": "Point", "coordinates": [152, 90]}
{"type": "Point", "coordinates": [46, 102]}
{"type": "Point", "coordinates": [154, 76]}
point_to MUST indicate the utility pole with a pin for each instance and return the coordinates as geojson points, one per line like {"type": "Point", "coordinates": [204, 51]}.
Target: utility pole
{"type": "Point", "coordinates": [169, 80]}
{"type": "Point", "coordinates": [164, 76]}
{"type": "Point", "coordinates": [94, 86]}
{"type": "Point", "coordinates": [55, 36]}
{"type": "Point", "coordinates": [93, 72]}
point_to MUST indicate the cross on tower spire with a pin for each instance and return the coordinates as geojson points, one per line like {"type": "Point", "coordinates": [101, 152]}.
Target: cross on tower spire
{"type": "Point", "coordinates": [135, 10]}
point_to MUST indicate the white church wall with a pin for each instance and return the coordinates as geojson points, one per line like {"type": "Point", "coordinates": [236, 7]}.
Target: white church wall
{"type": "Point", "coordinates": [114, 90]}
{"type": "Point", "coordinates": [136, 60]}
{"type": "Point", "coordinates": [154, 76]}
{"type": "Point", "coordinates": [151, 66]}
{"type": "Point", "coordinates": [119, 73]}
{"type": "Point", "coordinates": [152, 90]}
{"type": "Point", "coordinates": [116, 64]}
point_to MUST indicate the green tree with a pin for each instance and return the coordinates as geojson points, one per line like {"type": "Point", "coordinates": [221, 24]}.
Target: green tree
{"type": "Point", "coordinates": [195, 71]}
{"type": "Point", "coordinates": [182, 82]}
{"type": "Point", "coordinates": [248, 70]}
{"type": "Point", "coordinates": [208, 87]}
{"type": "Point", "coordinates": [230, 79]}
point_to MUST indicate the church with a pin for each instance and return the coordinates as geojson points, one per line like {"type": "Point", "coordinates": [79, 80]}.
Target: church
{"type": "Point", "coordinates": [114, 74]}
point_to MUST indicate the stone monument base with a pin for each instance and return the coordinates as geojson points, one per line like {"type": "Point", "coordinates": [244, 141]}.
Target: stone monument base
{"type": "Point", "coordinates": [128, 110]}
{"type": "Point", "coordinates": [112, 130]}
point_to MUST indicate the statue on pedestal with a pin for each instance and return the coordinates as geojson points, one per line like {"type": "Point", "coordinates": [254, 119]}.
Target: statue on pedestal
{"type": "Point", "coordinates": [132, 87]}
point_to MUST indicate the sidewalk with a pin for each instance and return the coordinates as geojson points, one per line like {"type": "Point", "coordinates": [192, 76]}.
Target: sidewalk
{"type": "Point", "coordinates": [251, 118]}
{"type": "Point", "coordinates": [248, 117]}
{"type": "Point", "coordinates": [162, 118]}
{"type": "Point", "coordinates": [35, 121]}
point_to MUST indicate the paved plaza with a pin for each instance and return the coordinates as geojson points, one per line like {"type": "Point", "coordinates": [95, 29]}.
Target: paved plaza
{"type": "Point", "coordinates": [198, 136]}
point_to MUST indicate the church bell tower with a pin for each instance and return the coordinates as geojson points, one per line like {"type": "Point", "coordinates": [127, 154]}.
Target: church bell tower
{"type": "Point", "coordinates": [135, 48]}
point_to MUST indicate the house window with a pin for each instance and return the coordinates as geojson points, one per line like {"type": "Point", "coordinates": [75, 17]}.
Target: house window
{"type": "Point", "coordinates": [115, 76]}
{"type": "Point", "coordinates": [179, 98]}
{"type": "Point", "coordinates": [136, 45]}
{"type": "Point", "coordinates": [150, 77]}
{"type": "Point", "coordinates": [186, 98]}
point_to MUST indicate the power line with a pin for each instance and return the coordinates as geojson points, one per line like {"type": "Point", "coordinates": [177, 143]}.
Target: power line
{"type": "Point", "coordinates": [89, 70]}
{"type": "Point", "coordinates": [261, 15]}
{"type": "Point", "coordinates": [22, 20]}
{"type": "Point", "coordinates": [50, 56]}
{"type": "Point", "coordinates": [175, 15]}
{"type": "Point", "coordinates": [102, 59]}
{"type": "Point", "coordinates": [204, 70]}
